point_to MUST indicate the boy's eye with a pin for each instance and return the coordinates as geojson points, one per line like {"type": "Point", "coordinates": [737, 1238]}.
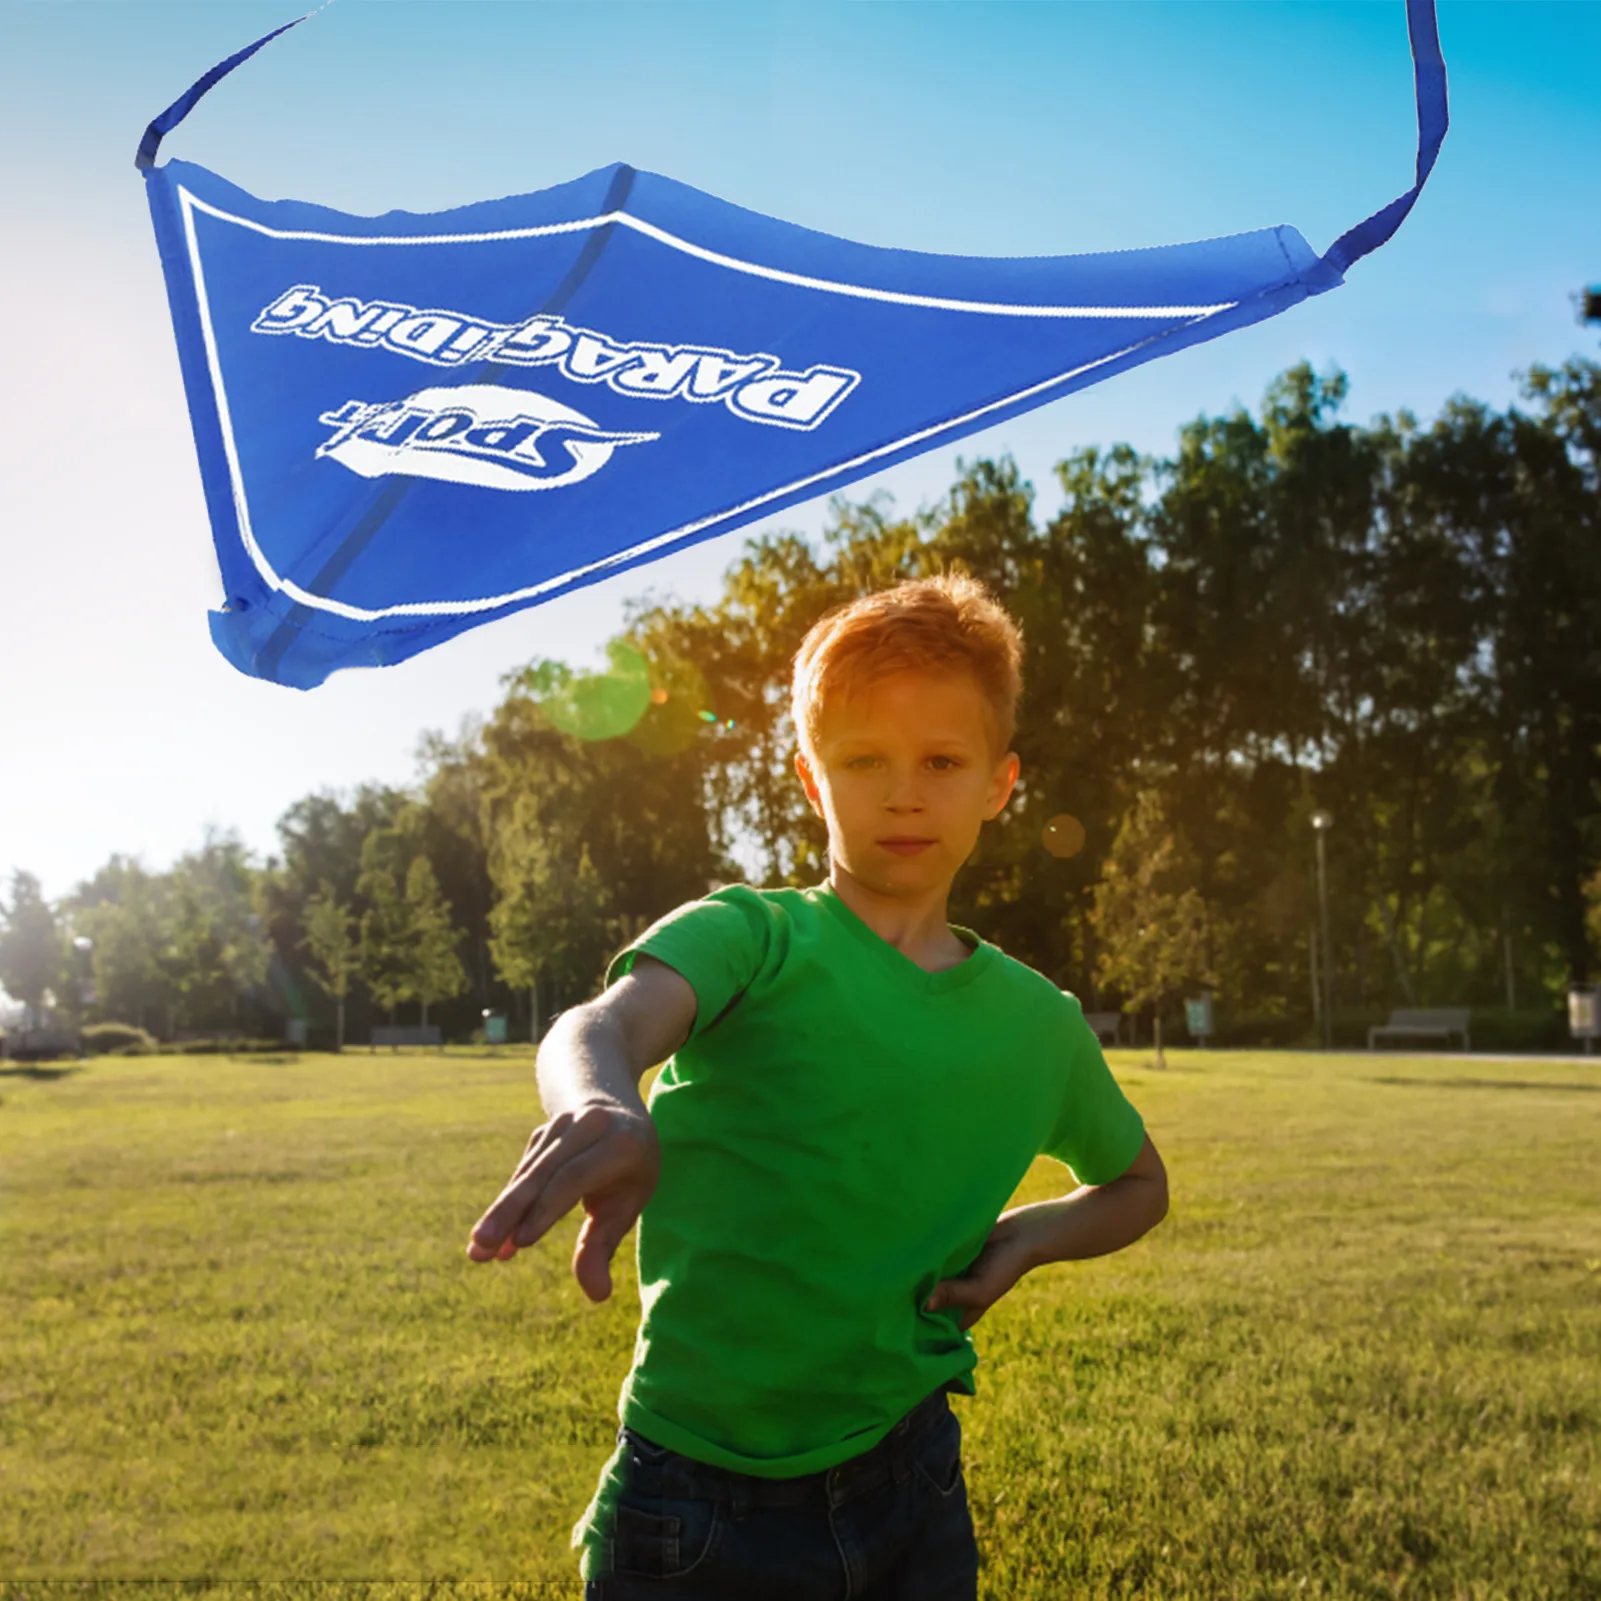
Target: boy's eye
{"type": "Point", "coordinates": [862, 761]}
{"type": "Point", "coordinates": [944, 764]}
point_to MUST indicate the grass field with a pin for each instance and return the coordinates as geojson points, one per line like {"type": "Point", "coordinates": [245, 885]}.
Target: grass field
{"type": "Point", "coordinates": [239, 1340]}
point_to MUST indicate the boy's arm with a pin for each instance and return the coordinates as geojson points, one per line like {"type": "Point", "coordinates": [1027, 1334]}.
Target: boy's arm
{"type": "Point", "coordinates": [1094, 1220]}
{"type": "Point", "coordinates": [599, 1145]}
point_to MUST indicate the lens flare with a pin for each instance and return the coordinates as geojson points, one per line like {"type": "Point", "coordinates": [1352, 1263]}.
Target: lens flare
{"type": "Point", "coordinates": [672, 723]}
{"type": "Point", "coordinates": [658, 705]}
{"type": "Point", "coordinates": [1063, 836]}
{"type": "Point", "coordinates": [594, 706]}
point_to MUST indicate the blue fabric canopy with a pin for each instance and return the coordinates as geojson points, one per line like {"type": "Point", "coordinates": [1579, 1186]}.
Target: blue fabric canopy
{"type": "Point", "coordinates": [409, 425]}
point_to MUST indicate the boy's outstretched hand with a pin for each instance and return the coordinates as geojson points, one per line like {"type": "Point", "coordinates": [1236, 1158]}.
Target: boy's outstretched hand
{"type": "Point", "coordinates": [600, 1148]}
{"type": "Point", "coordinates": [604, 1155]}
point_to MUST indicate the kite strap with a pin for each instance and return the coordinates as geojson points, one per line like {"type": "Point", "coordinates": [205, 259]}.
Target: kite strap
{"type": "Point", "coordinates": [1428, 73]}
{"type": "Point", "coordinates": [186, 102]}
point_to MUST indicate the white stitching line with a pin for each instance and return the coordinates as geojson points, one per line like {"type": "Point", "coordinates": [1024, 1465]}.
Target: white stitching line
{"type": "Point", "coordinates": [733, 263]}
{"type": "Point", "coordinates": [224, 419]}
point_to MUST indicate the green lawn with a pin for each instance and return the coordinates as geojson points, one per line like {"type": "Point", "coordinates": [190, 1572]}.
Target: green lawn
{"type": "Point", "coordinates": [238, 1339]}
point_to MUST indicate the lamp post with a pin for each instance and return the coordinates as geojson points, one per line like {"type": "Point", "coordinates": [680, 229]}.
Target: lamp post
{"type": "Point", "coordinates": [1322, 822]}
{"type": "Point", "coordinates": [83, 945]}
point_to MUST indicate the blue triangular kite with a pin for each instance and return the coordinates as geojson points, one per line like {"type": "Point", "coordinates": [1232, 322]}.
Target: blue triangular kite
{"type": "Point", "coordinates": [409, 425]}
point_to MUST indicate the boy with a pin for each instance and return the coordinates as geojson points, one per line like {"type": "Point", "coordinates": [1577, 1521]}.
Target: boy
{"type": "Point", "coordinates": [855, 1090]}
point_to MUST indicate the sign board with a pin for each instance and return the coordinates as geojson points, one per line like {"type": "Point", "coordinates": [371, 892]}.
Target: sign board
{"type": "Point", "coordinates": [1198, 1015]}
{"type": "Point", "coordinates": [1584, 1013]}
{"type": "Point", "coordinates": [495, 1029]}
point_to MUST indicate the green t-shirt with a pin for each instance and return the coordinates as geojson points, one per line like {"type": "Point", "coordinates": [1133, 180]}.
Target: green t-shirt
{"type": "Point", "coordinates": [840, 1132]}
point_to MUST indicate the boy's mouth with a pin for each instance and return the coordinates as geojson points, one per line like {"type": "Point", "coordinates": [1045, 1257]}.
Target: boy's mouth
{"type": "Point", "coordinates": [907, 844]}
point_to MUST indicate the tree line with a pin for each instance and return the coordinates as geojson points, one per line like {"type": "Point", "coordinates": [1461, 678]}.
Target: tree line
{"type": "Point", "coordinates": [1397, 624]}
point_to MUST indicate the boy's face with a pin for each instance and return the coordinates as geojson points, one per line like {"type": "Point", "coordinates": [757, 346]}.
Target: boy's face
{"type": "Point", "coordinates": [905, 774]}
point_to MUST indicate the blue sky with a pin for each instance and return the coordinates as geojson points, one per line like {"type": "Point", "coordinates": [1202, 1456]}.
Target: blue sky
{"type": "Point", "coordinates": [990, 128]}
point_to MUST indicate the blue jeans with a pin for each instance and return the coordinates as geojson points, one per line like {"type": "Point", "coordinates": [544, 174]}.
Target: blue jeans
{"type": "Point", "coordinates": [889, 1525]}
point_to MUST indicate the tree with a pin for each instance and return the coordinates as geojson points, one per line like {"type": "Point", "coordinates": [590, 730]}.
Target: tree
{"type": "Point", "coordinates": [732, 662]}
{"type": "Point", "coordinates": [1151, 921]}
{"type": "Point", "coordinates": [216, 955]}
{"type": "Point", "coordinates": [589, 839]}
{"type": "Point", "coordinates": [126, 912]}
{"type": "Point", "coordinates": [388, 962]}
{"type": "Point", "coordinates": [320, 839]}
{"type": "Point", "coordinates": [321, 836]}
{"type": "Point", "coordinates": [437, 969]}
{"type": "Point", "coordinates": [1542, 633]}
{"type": "Point", "coordinates": [1082, 589]}
{"type": "Point", "coordinates": [33, 958]}
{"type": "Point", "coordinates": [455, 839]}
{"type": "Point", "coordinates": [1592, 911]}
{"type": "Point", "coordinates": [1398, 622]}
{"type": "Point", "coordinates": [549, 925]}
{"type": "Point", "coordinates": [334, 950]}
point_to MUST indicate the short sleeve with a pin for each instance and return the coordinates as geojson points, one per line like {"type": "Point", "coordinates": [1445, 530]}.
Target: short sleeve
{"type": "Point", "coordinates": [717, 946]}
{"type": "Point", "coordinates": [1098, 1133]}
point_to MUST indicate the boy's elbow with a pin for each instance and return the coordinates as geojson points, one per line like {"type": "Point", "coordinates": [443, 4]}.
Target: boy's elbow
{"type": "Point", "coordinates": [1154, 1193]}
{"type": "Point", "coordinates": [1160, 1200]}
{"type": "Point", "coordinates": [1151, 1172]}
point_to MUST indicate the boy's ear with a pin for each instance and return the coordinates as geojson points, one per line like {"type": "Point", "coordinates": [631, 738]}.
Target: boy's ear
{"type": "Point", "coordinates": [809, 782]}
{"type": "Point", "coordinates": [1002, 782]}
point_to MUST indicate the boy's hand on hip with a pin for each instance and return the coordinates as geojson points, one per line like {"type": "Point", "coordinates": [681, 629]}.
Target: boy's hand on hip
{"type": "Point", "coordinates": [602, 1154]}
{"type": "Point", "coordinates": [1005, 1258]}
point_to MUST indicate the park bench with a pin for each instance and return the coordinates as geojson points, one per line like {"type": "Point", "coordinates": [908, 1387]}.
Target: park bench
{"type": "Point", "coordinates": [1422, 1023]}
{"type": "Point", "coordinates": [407, 1034]}
{"type": "Point", "coordinates": [1107, 1026]}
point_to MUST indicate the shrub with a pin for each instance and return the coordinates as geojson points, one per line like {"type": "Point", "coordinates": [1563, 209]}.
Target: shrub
{"type": "Point", "coordinates": [226, 1045]}
{"type": "Point", "coordinates": [1531, 1029]}
{"type": "Point", "coordinates": [120, 1039]}
{"type": "Point", "coordinates": [1260, 1030]}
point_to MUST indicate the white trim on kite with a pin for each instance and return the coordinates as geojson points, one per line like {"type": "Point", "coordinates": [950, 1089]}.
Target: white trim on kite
{"type": "Point", "coordinates": [236, 477]}
{"type": "Point", "coordinates": [734, 264]}
{"type": "Point", "coordinates": [462, 608]}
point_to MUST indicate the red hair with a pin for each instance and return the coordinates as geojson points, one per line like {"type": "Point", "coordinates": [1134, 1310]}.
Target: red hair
{"type": "Point", "coordinates": [949, 624]}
